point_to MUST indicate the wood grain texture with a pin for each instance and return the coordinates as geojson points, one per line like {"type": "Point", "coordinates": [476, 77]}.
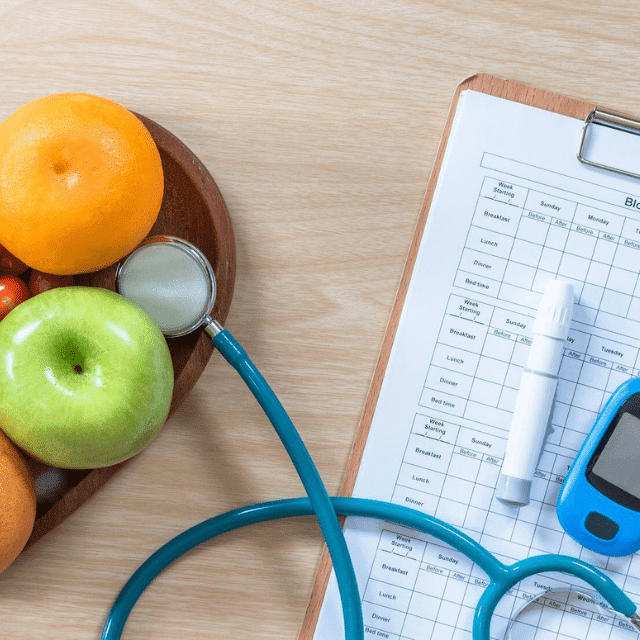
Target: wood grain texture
{"type": "Point", "coordinates": [320, 122]}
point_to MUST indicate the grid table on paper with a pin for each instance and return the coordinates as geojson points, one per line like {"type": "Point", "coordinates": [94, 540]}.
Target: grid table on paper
{"type": "Point", "coordinates": [520, 238]}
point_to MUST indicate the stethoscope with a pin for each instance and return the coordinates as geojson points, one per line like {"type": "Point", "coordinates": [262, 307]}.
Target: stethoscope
{"type": "Point", "coordinates": [181, 303]}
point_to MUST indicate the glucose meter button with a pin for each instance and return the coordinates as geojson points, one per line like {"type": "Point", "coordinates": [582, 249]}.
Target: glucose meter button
{"type": "Point", "coordinates": [601, 526]}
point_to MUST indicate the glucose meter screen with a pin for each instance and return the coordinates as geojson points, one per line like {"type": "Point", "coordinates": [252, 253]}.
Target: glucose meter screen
{"type": "Point", "coordinates": [618, 462]}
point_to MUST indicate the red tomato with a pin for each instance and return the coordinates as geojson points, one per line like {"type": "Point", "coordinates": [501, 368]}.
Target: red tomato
{"type": "Point", "coordinates": [10, 264]}
{"type": "Point", "coordinates": [39, 282]}
{"type": "Point", "coordinates": [12, 292]}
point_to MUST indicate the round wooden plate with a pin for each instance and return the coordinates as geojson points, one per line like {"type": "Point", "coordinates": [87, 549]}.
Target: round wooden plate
{"type": "Point", "coordinates": [192, 209]}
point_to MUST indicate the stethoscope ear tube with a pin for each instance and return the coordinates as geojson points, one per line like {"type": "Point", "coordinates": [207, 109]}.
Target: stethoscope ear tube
{"type": "Point", "coordinates": [502, 577]}
{"type": "Point", "coordinates": [510, 575]}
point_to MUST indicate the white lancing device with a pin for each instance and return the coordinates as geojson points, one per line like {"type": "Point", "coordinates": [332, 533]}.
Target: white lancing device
{"type": "Point", "coordinates": [535, 396]}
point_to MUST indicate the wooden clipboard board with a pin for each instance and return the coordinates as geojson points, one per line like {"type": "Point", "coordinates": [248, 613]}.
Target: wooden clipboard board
{"type": "Point", "coordinates": [491, 85]}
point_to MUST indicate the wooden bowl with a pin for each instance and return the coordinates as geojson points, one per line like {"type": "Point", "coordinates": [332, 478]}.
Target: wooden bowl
{"type": "Point", "coordinates": [192, 209]}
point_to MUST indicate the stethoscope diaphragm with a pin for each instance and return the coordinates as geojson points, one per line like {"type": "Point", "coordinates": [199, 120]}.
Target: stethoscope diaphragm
{"type": "Point", "coordinates": [172, 281]}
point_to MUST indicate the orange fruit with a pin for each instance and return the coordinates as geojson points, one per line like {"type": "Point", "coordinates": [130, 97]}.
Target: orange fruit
{"type": "Point", "coordinates": [81, 183]}
{"type": "Point", "coordinates": [17, 502]}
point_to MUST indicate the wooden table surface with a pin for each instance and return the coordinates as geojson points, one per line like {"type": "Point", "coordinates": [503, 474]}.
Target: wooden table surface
{"type": "Point", "coordinates": [320, 122]}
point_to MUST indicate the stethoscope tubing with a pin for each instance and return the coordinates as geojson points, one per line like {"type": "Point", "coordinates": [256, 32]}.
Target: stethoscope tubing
{"type": "Point", "coordinates": [237, 357]}
{"type": "Point", "coordinates": [502, 576]}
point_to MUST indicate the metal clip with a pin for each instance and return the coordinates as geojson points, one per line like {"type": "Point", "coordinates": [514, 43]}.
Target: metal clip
{"type": "Point", "coordinates": [613, 121]}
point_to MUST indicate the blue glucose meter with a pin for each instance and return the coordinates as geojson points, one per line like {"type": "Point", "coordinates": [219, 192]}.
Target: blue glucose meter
{"type": "Point", "coordinates": [599, 502]}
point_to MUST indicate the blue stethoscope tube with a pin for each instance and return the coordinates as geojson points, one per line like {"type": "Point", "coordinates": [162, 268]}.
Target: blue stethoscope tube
{"type": "Point", "coordinates": [502, 577]}
{"type": "Point", "coordinates": [237, 357]}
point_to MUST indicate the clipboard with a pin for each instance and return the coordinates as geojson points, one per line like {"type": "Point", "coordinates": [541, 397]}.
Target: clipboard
{"type": "Point", "coordinates": [508, 90]}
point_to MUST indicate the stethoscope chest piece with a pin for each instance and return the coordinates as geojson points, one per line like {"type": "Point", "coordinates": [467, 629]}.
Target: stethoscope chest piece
{"type": "Point", "coordinates": [172, 281]}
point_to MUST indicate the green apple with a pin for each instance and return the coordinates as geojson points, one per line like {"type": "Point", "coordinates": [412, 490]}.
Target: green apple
{"type": "Point", "coordinates": [86, 377]}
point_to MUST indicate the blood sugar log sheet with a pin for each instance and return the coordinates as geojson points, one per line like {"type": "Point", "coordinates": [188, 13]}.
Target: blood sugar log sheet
{"type": "Point", "coordinates": [513, 208]}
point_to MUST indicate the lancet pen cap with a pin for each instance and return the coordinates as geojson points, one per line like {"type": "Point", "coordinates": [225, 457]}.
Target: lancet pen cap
{"type": "Point", "coordinates": [555, 311]}
{"type": "Point", "coordinates": [513, 491]}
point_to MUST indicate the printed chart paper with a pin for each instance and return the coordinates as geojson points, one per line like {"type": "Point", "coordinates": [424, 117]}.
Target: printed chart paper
{"type": "Point", "coordinates": [513, 209]}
